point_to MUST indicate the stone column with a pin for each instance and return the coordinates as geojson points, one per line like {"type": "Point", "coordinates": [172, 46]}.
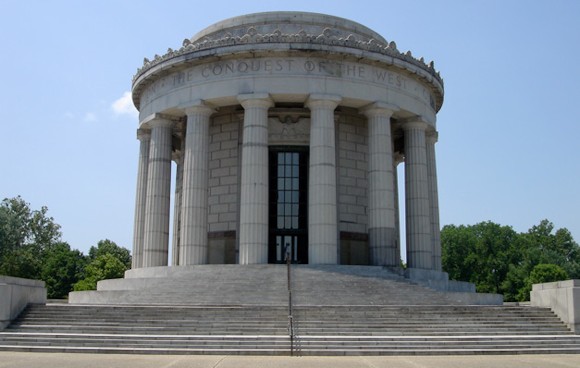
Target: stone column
{"type": "Point", "coordinates": [381, 196]}
{"type": "Point", "coordinates": [254, 180]}
{"type": "Point", "coordinates": [156, 241]}
{"type": "Point", "coordinates": [144, 137]}
{"type": "Point", "coordinates": [177, 204]}
{"type": "Point", "coordinates": [418, 220]}
{"type": "Point", "coordinates": [322, 211]}
{"type": "Point", "coordinates": [194, 246]}
{"type": "Point", "coordinates": [434, 201]}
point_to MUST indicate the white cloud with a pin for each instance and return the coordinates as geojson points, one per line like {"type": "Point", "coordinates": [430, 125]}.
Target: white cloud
{"type": "Point", "coordinates": [90, 117]}
{"type": "Point", "coordinates": [124, 106]}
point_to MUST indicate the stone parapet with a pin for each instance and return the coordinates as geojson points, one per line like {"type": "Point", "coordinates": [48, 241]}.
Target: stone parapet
{"type": "Point", "coordinates": [563, 297]}
{"type": "Point", "coordinates": [15, 294]}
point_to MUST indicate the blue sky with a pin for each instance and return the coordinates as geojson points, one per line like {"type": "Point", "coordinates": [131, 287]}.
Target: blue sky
{"type": "Point", "coordinates": [508, 129]}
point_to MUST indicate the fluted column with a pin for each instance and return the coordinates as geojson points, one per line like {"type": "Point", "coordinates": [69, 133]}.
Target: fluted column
{"type": "Point", "coordinates": [156, 241]}
{"type": "Point", "coordinates": [144, 137]}
{"type": "Point", "coordinates": [177, 204]}
{"type": "Point", "coordinates": [194, 246]}
{"type": "Point", "coordinates": [418, 221]}
{"type": "Point", "coordinates": [322, 211]}
{"type": "Point", "coordinates": [434, 201]}
{"type": "Point", "coordinates": [254, 180]}
{"type": "Point", "coordinates": [381, 196]}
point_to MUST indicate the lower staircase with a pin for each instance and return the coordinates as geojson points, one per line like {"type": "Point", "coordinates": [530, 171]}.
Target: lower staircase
{"type": "Point", "coordinates": [334, 311]}
{"type": "Point", "coordinates": [317, 330]}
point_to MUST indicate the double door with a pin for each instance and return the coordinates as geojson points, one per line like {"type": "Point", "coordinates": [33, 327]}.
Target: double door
{"type": "Point", "coordinates": [288, 235]}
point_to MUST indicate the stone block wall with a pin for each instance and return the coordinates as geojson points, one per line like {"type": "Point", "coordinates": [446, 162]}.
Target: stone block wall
{"type": "Point", "coordinates": [352, 167]}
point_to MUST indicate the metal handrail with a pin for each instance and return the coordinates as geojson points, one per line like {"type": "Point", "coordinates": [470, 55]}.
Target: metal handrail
{"type": "Point", "coordinates": [290, 316]}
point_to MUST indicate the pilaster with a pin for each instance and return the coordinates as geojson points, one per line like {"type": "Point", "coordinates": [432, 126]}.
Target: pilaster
{"type": "Point", "coordinates": [156, 239]}
{"type": "Point", "coordinates": [322, 208]}
{"type": "Point", "coordinates": [194, 243]}
{"type": "Point", "coordinates": [253, 236]}
{"type": "Point", "coordinates": [419, 254]}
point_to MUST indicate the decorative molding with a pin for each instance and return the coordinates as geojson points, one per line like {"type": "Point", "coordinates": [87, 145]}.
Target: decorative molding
{"type": "Point", "coordinates": [327, 37]}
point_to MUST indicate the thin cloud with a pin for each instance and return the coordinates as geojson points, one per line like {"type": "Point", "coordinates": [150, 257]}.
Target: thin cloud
{"type": "Point", "coordinates": [124, 106]}
{"type": "Point", "coordinates": [90, 117]}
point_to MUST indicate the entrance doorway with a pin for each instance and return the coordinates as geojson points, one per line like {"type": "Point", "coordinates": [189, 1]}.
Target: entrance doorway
{"type": "Point", "coordinates": [288, 204]}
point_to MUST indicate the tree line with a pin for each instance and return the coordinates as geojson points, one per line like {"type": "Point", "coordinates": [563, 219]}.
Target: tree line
{"type": "Point", "coordinates": [497, 259]}
{"type": "Point", "coordinates": [31, 247]}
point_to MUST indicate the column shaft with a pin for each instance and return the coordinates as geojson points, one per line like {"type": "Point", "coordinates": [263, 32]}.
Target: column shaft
{"type": "Point", "coordinates": [322, 211]}
{"type": "Point", "coordinates": [418, 221]}
{"type": "Point", "coordinates": [381, 205]}
{"type": "Point", "coordinates": [194, 244]}
{"type": "Point", "coordinates": [156, 241]}
{"type": "Point", "coordinates": [140, 200]}
{"type": "Point", "coordinates": [254, 180]}
{"type": "Point", "coordinates": [434, 202]}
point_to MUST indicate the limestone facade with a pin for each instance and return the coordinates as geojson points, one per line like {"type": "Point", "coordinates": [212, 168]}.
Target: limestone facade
{"type": "Point", "coordinates": [286, 130]}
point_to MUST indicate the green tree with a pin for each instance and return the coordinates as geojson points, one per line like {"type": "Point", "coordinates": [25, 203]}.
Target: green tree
{"type": "Point", "coordinates": [540, 274]}
{"type": "Point", "coordinates": [498, 260]}
{"type": "Point", "coordinates": [109, 247]}
{"type": "Point", "coordinates": [104, 266]}
{"type": "Point", "coordinates": [24, 235]}
{"type": "Point", "coordinates": [479, 253]}
{"type": "Point", "coordinates": [61, 268]}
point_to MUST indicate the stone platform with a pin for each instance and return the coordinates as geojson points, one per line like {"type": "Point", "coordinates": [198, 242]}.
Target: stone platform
{"type": "Point", "coordinates": [312, 285]}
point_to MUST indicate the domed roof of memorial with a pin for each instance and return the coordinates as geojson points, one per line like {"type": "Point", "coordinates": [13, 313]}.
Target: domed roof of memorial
{"type": "Point", "coordinates": [287, 32]}
{"type": "Point", "coordinates": [289, 23]}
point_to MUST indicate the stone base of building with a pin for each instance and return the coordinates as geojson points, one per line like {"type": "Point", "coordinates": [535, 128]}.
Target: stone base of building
{"type": "Point", "coordinates": [267, 284]}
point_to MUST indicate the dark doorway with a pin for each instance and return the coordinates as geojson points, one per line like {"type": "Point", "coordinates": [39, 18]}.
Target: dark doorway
{"type": "Point", "coordinates": [288, 204]}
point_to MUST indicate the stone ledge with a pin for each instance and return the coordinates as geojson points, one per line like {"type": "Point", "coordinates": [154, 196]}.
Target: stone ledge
{"type": "Point", "coordinates": [16, 294]}
{"type": "Point", "coordinates": [562, 297]}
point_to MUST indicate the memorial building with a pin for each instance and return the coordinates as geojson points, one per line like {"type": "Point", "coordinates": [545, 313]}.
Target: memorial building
{"type": "Point", "coordinates": [283, 132]}
{"type": "Point", "coordinates": [286, 129]}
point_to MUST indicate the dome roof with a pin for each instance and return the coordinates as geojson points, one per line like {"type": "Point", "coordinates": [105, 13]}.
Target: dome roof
{"type": "Point", "coordinates": [288, 23]}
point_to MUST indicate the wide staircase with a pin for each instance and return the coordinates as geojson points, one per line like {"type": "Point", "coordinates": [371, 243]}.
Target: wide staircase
{"type": "Point", "coordinates": [334, 311]}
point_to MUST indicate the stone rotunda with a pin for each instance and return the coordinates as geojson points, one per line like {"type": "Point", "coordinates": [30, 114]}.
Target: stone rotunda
{"type": "Point", "coordinates": [286, 129]}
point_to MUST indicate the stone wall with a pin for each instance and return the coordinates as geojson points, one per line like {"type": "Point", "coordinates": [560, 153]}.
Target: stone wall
{"type": "Point", "coordinates": [563, 297]}
{"type": "Point", "coordinates": [15, 294]}
{"type": "Point", "coordinates": [224, 156]}
{"type": "Point", "coordinates": [352, 167]}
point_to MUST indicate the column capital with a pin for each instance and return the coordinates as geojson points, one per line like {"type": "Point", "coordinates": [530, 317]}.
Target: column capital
{"type": "Point", "coordinates": [379, 108]}
{"type": "Point", "coordinates": [321, 100]}
{"type": "Point", "coordinates": [415, 123]}
{"type": "Point", "coordinates": [156, 120]}
{"type": "Point", "coordinates": [432, 136]}
{"type": "Point", "coordinates": [160, 123]}
{"type": "Point", "coordinates": [248, 100]}
{"type": "Point", "coordinates": [143, 134]}
{"type": "Point", "coordinates": [199, 107]}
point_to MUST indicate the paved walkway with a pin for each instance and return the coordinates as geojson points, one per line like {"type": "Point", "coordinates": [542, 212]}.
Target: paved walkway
{"type": "Point", "coordinates": [58, 360]}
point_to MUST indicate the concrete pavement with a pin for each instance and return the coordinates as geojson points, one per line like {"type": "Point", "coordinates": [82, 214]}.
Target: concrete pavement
{"type": "Point", "coordinates": [60, 360]}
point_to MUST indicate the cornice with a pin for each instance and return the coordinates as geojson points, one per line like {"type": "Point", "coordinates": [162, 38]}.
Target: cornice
{"type": "Point", "coordinates": [252, 37]}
